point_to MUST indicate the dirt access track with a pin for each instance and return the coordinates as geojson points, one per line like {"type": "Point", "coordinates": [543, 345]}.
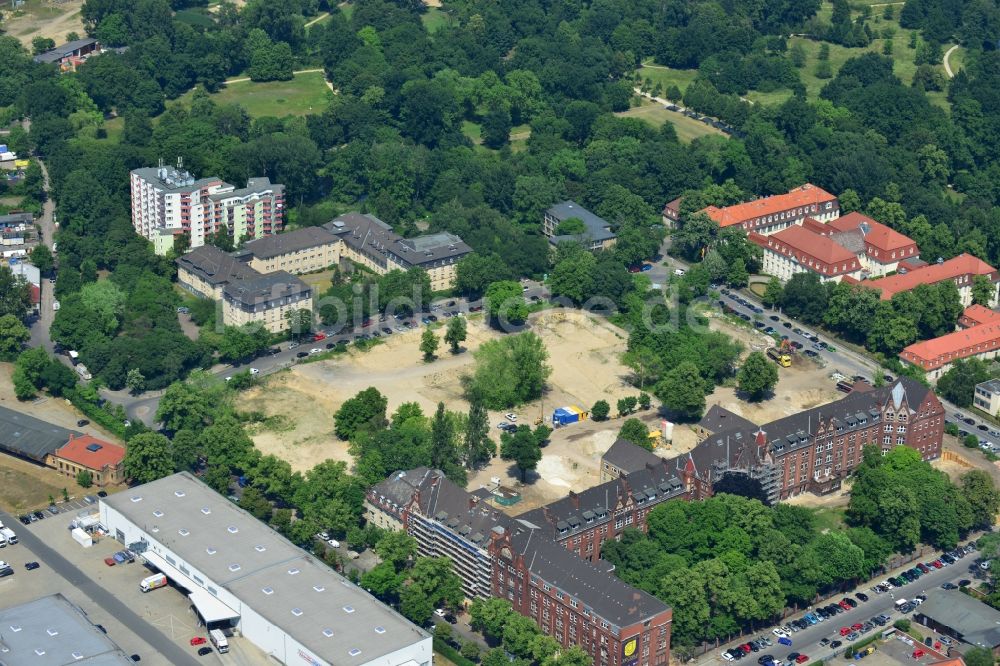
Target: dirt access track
{"type": "Point", "coordinates": [44, 18]}
{"type": "Point", "coordinates": [583, 351]}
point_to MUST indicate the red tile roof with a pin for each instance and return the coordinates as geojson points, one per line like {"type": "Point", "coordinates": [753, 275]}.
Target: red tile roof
{"type": "Point", "coordinates": [104, 454]}
{"type": "Point", "coordinates": [878, 236]}
{"type": "Point", "coordinates": [974, 315]}
{"type": "Point", "coordinates": [806, 195]}
{"type": "Point", "coordinates": [932, 354]}
{"type": "Point", "coordinates": [963, 264]}
{"type": "Point", "coordinates": [816, 227]}
{"type": "Point", "coordinates": [801, 242]}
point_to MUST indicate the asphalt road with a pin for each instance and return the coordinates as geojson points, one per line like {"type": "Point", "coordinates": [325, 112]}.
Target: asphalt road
{"type": "Point", "coordinates": [40, 326]}
{"type": "Point", "coordinates": [101, 597]}
{"type": "Point", "coordinates": [807, 640]}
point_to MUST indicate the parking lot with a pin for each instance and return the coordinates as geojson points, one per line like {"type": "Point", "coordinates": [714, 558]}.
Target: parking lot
{"type": "Point", "coordinates": [157, 625]}
{"type": "Point", "coordinates": [822, 639]}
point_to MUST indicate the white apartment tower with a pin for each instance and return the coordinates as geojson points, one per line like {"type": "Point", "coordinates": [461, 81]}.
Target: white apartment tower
{"type": "Point", "coordinates": [168, 201]}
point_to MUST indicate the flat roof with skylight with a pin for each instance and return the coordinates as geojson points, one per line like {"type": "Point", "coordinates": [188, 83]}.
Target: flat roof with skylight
{"type": "Point", "coordinates": [51, 631]}
{"type": "Point", "coordinates": [314, 605]}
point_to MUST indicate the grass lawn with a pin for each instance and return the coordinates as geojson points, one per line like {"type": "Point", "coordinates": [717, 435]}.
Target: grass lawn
{"type": "Point", "coordinates": [688, 129]}
{"type": "Point", "coordinates": [667, 76]}
{"type": "Point", "coordinates": [319, 281]}
{"type": "Point", "coordinates": [519, 135]}
{"type": "Point", "coordinates": [114, 128]}
{"type": "Point", "coordinates": [434, 19]}
{"type": "Point", "coordinates": [347, 8]}
{"type": "Point", "coordinates": [474, 131]}
{"type": "Point", "coordinates": [306, 93]}
{"type": "Point", "coordinates": [829, 518]}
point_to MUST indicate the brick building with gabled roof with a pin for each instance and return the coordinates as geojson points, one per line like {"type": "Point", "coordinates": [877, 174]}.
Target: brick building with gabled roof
{"type": "Point", "coordinates": [884, 247]}
{"type": "Point", "coordinates": [768, 215]}
{"type": "Point", "coordinates": [936, 355]}
{"type": "Point", "coordinates": [105, 461]}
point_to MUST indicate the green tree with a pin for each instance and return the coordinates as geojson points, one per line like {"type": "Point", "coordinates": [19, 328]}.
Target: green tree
{"type": "Point", "coordinates": [470, 650]}
{"type": "Point", "coordinates": [521, 447]}
{"type": "Point", "coordinates": [135, 382]}
{"type": "Point", "coordinates": [300, 323]}
{"type": "Point", "coordinates": [509, 371]}
{"type": "Point", "coordinates": [13, 336]}
{"type": "Point", "coordinates": [476, 272]}
{"type": "Point", "coordinates": [571, 226]}
{"type": "Point", "coordinates": [682, 391]}
{"type": "Point", "coordinates": [490, 616]}
{"type": "Point", "coordinates": [573, 277]}
{"type": "Point", "coordinates": [496, 126]}
{"type": "Point", "coordinates": [256, 503]}
{"type": "Point", "coordinates": [444, 449]}
{"type": "Point", "coordinates": [428, 344]}
{"type": "Point", "coordinates": [757, 376]}
{"type": "Point", "coordinates": [84, 479]}
{"type": "Point", "coordinates": [646, 363]}
{"type": "Point", "coordinates": [978, 656]}
{"type": "Point", "coordinates": [505, 303]}
{"type": "Point", "coordinates": [983, 291]}
{"type": "Point", "coordinates": [183, 406]}
{"type": "Point", "coordinates": [981, 493]}
{"type": "Point", "coordinates": [645, 402]}
{"type": "Point", "coordinates": [519, 634]}
{"type": "Point", "coordinates": [600, 410]}
{"type": "Point", "coordinates": [383, 581]}
{"type": "Point", "coordinates": [456, 333]}
{"type": "Point", "coordinates": [42, 258]}
{"type": "Point", "coordinates": [363, 412]}
{"type": "Point", "coordinates": [432, 584]}
{"type": "Point", "coordinates": [15, 294]}
{"type": "Point", "coordinates": [147, 458]}
{"type": "Point", "coordinates": [958, 385]}
{"type": "Point", "coordinates": [396, 548]}
{"type": "Point", "coordinates": [635, 431]}
{"type": "Point", "coordinates": [772, 292]}
{"type": "Point", "coordinates": [738, 275]}
{"type": "Point", "coordinates": [478, 446]}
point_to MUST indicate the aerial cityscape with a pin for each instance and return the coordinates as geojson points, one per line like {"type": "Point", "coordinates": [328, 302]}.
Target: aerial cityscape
{"type": "Point", "coordinates": [522, 333]}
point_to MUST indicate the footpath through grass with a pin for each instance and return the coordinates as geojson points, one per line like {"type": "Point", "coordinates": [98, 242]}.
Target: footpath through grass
{"type": "Point", "coordinates": [304, 94]}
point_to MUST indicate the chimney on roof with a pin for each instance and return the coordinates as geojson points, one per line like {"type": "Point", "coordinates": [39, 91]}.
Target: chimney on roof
{"type": "Point", "coordinates": [473, 500]}
{"type": "Point", "coordinates": [547, 512]}
{"type": "Point", "coordinates": [575, 499]}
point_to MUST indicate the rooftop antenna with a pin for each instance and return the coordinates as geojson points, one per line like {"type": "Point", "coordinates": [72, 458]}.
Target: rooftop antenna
{"type": "Point", "coordinates": [180, 162]}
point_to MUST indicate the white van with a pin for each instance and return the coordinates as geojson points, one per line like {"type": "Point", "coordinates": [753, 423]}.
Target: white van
{"type": "Point", "coordinates": [219, 640]}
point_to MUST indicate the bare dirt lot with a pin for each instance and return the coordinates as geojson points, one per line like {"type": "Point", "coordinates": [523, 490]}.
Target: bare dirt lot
{"type": "Point", "coordinates": [583, 354]}
{"type": "Point", "coordinates": [45, 18]}
{"type": "Point", "coordinates": [24, 485]}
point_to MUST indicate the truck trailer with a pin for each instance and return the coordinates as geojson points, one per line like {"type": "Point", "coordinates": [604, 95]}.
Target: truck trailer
{"type": "Point", "coordinates": [219, 640]}
{"type": "Point", "coordinates": [779, 357]}
{"type": "Point", "coordinates": [8, 535]}
{"type": "Point", "coordinates": [153, 582]}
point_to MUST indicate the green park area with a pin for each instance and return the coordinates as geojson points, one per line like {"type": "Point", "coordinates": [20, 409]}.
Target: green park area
{"type": "Point", "coordinates": [885, 31]}
{"type": "Point", "coordinates": [306, 93]}
{"type": "Point", "coordinates": [688, 129]}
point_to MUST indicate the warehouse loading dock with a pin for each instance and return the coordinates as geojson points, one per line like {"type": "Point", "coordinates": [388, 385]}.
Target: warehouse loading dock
{"type": "Point", "coordinates": [211, 610]}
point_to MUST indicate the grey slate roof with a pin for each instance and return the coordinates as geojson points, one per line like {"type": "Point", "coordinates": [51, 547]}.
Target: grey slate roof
{"type": "Point", "coordinates": [626, 456]}
{"type": "Point", "coordinates": [29, 437]}
{"type": "Point", "coordinates": [719, 418]}
{"type": "Point", "coordinates": [598, 229]}
{"type": "Point", "coordinates": [438, 498]}
{"type": "Point", "coordinates": [265, 288]}
{"type": "Point", "coordinates": [215, 266]}
{"type": "Point", "coordinates": [991, 385]}
{"type": "Point", "coordinates": [371, 236]}
{"type": "Point", "coordinates": [287, 242]}
{"type": "Point", "coordinates": [16, 218]}
{"type": "Point", "coordinates": [596, 587]}
{"type": "Point", "coordinates": [970, 619]}
{"type": "Point", "coordinates": [265, 571]}
{"type": "Point", "coordinates": [51, 631]}
{"type": "Point", "coordinates": [59, 52]}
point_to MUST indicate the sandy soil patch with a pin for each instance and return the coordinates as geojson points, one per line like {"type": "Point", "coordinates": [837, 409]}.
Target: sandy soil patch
{"type": "Point", "coordinates": [433, 3]}
{"type": "Point", "coordinates": [583, 353]}
{"type": "Point", "coordinates": [46, 18]}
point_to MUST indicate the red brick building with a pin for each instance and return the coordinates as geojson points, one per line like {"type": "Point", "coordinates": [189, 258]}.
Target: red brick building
{"type": "Point", "coordinates": [577, 602]}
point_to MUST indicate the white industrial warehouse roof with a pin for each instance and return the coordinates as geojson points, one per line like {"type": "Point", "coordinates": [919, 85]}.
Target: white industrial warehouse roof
{"type": "Point", "coordinates": [51, 631]}
{"type": "Point", "coordinates": [338, 621]}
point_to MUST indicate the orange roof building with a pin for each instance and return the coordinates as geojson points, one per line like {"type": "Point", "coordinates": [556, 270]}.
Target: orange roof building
{"type": "Point", "coordinates": [976, 314]}
{"type": "Point", "coordinates": [797, 249]}
{"type": "Point", "coordinates": [884, 247]}
{"type": "Point", "coordinates": [104, 461]}
{"type": "Point", "coordinates": [961, 270]}
{"type": "Point", "coordinates": [936, 356]}
{"type": "Point", "coordinates": [768, 215]}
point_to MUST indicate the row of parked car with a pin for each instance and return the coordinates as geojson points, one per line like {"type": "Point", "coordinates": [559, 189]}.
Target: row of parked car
{"type": "Point", "coordinates": [756, 645]}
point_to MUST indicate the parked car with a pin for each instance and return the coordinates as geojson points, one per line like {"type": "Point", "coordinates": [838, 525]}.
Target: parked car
{"type": "Point", "coordinates": [110, 561]}
{"type": "Point", "coordinates": [31, 566]}
{"type": "Point", "coordinates": [204, 651]}
{"type": "Point", "coordinates": [198, 640]}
